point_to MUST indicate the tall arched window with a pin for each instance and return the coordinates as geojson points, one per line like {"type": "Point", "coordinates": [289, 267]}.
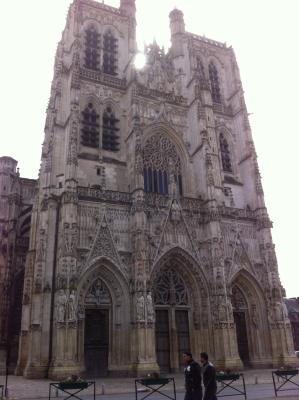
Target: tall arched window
{"type": "Point", "coordinates": [215, 88]}
{"type": "Point", "coordinates": [90, 127]}
{"type": "Point", "coordinates": [161, 164]}
{"type": "Point", "coordinates": [92, 49]}
{"type": "Point", "coordinates": [109, 53]}
{"type": "Point", "coordinates": [110, 139]}
{"type": "Point", "coordinates": [225, 154]}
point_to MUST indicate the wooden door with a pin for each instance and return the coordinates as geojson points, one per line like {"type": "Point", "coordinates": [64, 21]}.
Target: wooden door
{"type": "Point", "coordinates": [241, 330]}
{"type": "Point", "coordinates": [182, 327]}
{"type": "Point", "coordinates": [96, 344]}
{"type": "Point", "coordinates": [162, 340]}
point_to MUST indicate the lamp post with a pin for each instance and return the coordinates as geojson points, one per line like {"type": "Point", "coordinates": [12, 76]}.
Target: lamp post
{"type": "Point", "coordinates": [9, 300]}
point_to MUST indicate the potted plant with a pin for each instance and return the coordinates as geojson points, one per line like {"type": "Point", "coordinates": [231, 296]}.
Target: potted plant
{"type": "Point", "coordinates": [286, 370]}
{"type": "Point", "coordinates": [227, 375]}
{"type": "Point", "coordinates": [73, 382]}
{"type": "Point", "coordinates": [154, 379]}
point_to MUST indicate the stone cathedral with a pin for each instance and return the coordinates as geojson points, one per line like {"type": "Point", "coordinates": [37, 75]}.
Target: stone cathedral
{"type": "Point", "coordinates": [149, 231]}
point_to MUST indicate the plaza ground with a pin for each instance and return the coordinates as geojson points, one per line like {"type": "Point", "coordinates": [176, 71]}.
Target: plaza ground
{"type": "Point", "coordinates": [258, 384]}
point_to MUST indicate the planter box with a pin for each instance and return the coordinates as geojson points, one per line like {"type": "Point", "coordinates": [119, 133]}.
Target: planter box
{"type": "Point", "coordinates": [154, 381]}
{"type": "Point", "coordinates": [290, 372]}
{"type": "Point", "coordinates": [227, 377]}
{"type": "Point", "coordinates": [73, 385]}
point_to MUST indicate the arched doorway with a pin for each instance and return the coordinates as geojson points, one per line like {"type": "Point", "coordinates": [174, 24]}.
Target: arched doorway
{"type": "Point", "coordinates": [240, 311]}
{"type": "Point", "coordinates": [96, 330]}
{"type": "Point", "coordinates": [104, 340]}
{"type": "Point", "coordinates": [251, 320]}
{"type": "Point", "coordinates": [172, 309]}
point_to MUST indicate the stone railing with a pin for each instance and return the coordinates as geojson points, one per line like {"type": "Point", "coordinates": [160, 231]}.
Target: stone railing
{"type": "Point", "coordinates": [102, 6]}
{"type": "Point", "coordinates": [237, 213]}
{"type": "Point", "coordinates": [207, 40]}
{"type": "Point", "coordinates": [170, 97]}
{"type": "Point", "coordinates": [87, 193]}
{"type": "Point", "coordinates": [101, 77]}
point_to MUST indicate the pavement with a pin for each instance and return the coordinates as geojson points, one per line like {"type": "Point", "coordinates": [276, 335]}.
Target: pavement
{"type": "Point", "coordinates": [259, 385]}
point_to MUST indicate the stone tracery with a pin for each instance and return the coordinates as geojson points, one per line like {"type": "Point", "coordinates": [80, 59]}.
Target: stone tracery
{"type": "Point", "coordinates": [169, 288]}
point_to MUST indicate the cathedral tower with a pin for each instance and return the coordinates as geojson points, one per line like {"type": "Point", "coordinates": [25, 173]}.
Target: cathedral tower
{"type": "Point", "coordinates": [149, 234]}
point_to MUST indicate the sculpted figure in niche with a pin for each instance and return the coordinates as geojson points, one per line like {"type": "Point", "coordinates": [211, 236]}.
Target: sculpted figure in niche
{"type": "Point", "coordinates": [222, 309]}
{"type": "Point", "coordinates": [140, 304]}
{"type": "Point", "coordinates": [254, 317]}
{"type": "Point", "coordinates": [150, 308]}
{"type": "Point", "coordinates": [230, 310]}
{"type": "Point", "coordinates": [61, 306]}
{"type": "Point", "coordinates": [72, 307]}
{"type": "Point", "coordinates": [278, 311]}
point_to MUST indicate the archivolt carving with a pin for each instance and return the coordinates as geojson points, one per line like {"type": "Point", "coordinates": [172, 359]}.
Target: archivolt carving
{"type": "Point", "coordinates": [97, 294]}
{"type": "Point", "coordinates": [189, 271]}
{"type": "Point", "coordinates": [238, 300]}
{"type": "Point", "coordinates": [93, 287]}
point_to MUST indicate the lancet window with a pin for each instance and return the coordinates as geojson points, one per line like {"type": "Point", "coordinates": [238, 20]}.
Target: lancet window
{"type": "Point", "coordinates": [110, 140]}
{"type": "Point", "coordinates": [109, 53]}
{"type": "Point", "coordinates": [162, 165]}
{"type": "Point", "coordinates": [214, 80]}
{"type": "Point", "coordinates": [92, 49]}
{"type": "Point", "coordinates": [225, 154]}
{"type": "Point", "coordinates": [90, 127]}
{"type": "Point", "coordinates": [170, 289]}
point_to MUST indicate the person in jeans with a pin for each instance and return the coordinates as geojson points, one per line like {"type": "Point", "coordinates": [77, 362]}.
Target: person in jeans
{"type": "Point", "coordinates": [192, 378]}
{"type": "Point", "coordinates": [209, 377]}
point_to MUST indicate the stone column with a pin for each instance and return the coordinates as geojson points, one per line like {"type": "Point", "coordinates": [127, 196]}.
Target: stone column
{"type": "Point", "coordinates": [40, 311]}
{"type": "Point", "coordinates": [64, 360]}
{"type": "Point", "coordinates": [225, 340]}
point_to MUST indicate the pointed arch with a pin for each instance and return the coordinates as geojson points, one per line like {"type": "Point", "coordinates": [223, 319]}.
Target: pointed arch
{"type": "Point", "coordinates": [110, 52]}
{"type": "Point", "coordinates": [164, 159]}
{"type": "Point", "coordinates": [110, 129]}
{"type": "Point", "coordinates": [251, 318]}
{"type": "Point", "coordinates": [225, 153]}
{"type": "Point", "coordinates": [90, 126]}
{"type": "Point", "coordinates": [186, 265]}
{"type": "Point", "coordinates": [92, 42]}
{"type": "Point", "coordinates": [102, 290]}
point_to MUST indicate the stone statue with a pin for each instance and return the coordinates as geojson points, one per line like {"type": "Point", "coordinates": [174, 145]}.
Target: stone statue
{"type": "Point", "coordinates": [61, 306]}
{"type": "Point", "coordinates": [150, 308]}
{"type": "Point", "coordinates": [72, 307]}
{"type": "Point", "coordinates": [140, 303]}
{"type": "Point", "coordinates": [278, 311]}
{"type": "Point", "coordinates": [254, 317]}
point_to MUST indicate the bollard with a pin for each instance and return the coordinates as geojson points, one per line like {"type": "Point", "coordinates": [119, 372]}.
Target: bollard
{"type": "Point", "coordinates": [103, 391]}
{"type": "Point", "coordinates": [255, 380]}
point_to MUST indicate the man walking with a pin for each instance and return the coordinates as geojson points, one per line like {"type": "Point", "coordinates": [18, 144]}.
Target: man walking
{"type": "Point", "coordinates": [192, 378]}
{"type": "Point", "coordinates": [209, 378]}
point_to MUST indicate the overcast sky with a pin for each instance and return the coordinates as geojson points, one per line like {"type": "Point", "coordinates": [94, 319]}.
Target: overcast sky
{"type": "Point", "coordinates": [264, 34]}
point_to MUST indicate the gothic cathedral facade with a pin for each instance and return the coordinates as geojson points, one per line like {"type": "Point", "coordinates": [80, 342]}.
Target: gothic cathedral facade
{"type": "Point", "coordinates": [149, 232]}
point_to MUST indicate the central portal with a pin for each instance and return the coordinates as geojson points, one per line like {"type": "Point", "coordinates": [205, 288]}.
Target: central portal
{"type": "Point", "coordinates": [96, 344]}
{"type": "Point", "coordinates": [172, 338]}
{"type": "Point", "coordinates": [172, 320]}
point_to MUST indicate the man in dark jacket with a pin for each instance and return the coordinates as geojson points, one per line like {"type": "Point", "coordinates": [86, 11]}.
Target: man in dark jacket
{"type": "Point", "coordinates": [209, 378]}
{"type": "Point", "coordinates": [192, 378]}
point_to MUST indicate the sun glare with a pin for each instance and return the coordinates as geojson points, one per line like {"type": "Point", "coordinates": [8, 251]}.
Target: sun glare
{"type": "Point", "coordinates": [139, 60]}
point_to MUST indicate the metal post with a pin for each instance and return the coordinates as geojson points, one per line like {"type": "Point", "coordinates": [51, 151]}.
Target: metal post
{"type": "Point", "coordinates": [8, 332]}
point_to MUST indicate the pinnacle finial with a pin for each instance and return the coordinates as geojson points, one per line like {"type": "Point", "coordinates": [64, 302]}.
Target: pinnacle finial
{"type": "Point", "coordinates": [128, 7]}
